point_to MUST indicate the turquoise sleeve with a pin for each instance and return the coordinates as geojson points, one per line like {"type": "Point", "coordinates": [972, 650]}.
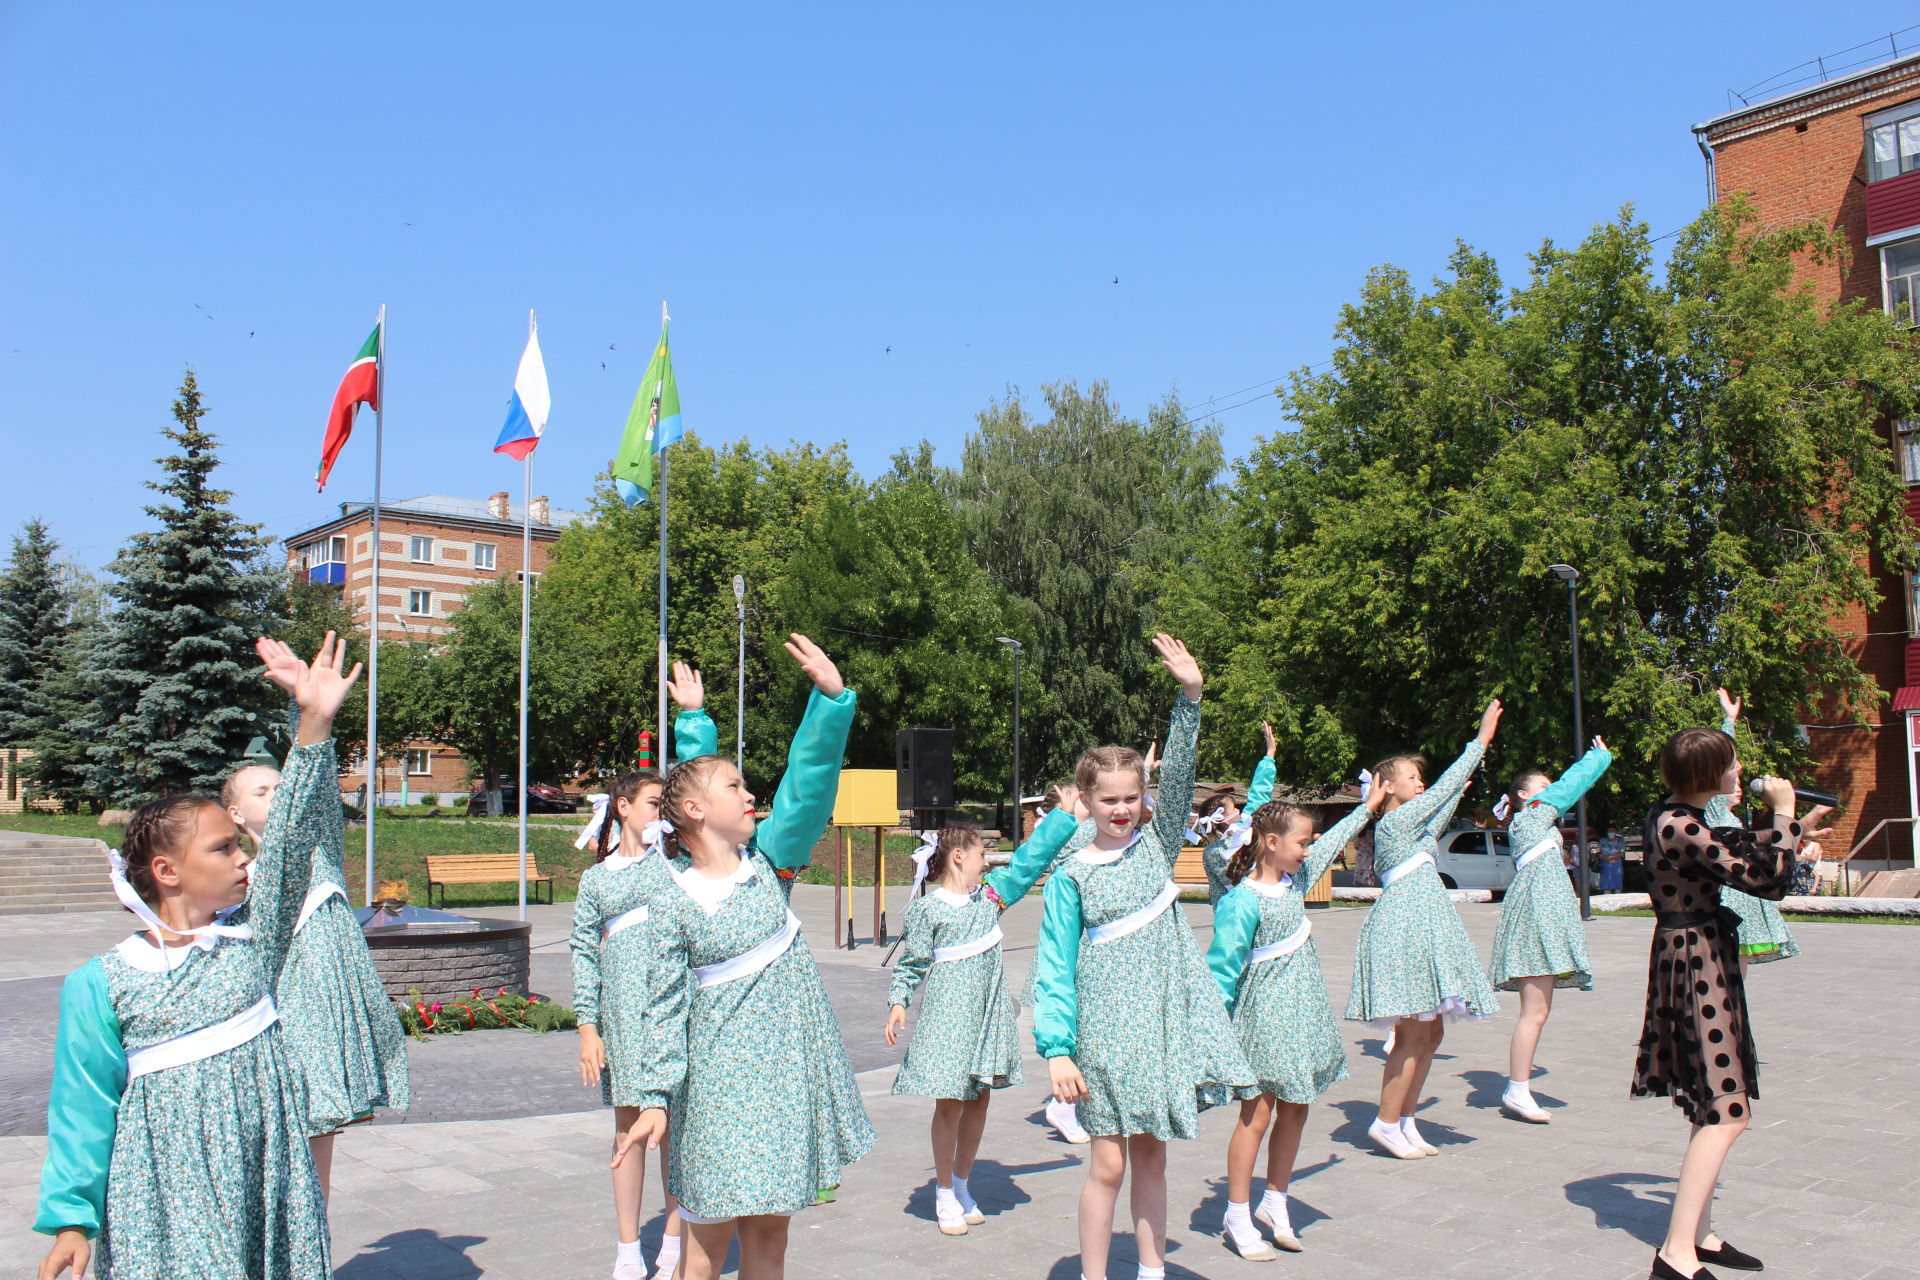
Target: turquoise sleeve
{"type": "Point", "coordinates": [1260, 790]}
{"type": "Point", "coordinates": [1563, 794]}
{"type": "Point", "coordinates": [1033, 858]}
{"type": "Point", "coordinates": [585, 942]}
{"type": "Point", "coordinates": [1173, 805]}
{"type": "Point", "coordinates": [89, 1075]}
{"type": "Point", "coordinates": [1056, 1008]}
{"type": "Point", "coordinates": [916, 956]}
{"type": "Point", "coordinates": [694, 735]}
{"type": "Point", "coordinates": [1234, 922]}
{"type": "Point", "coordinates": [803, 805]}
{"type": "Point", "coordinates": [1322, 852]}
{"type": "Point", "coordinates": [1728, 725]}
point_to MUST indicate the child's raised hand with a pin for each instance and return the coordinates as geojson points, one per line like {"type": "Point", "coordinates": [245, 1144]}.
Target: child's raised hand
{"type": "Point", "coordinates": [284, 667]}
{"type": "Point", "coordinates": [320, 687]}
{"type": "Point", "coordinates": [1729, 705]}
{"type": "Point", "coordinates": [818, 666]}
{"type": "Point", "coordinates": [896, 1023]}
{"type": "Point", "coordinates": [1266, 731]}
{"type": "Point", "coordinates": [1180, 664]}
{"type": "Point", "coordinates": [687, 689]}
{"type": "Point", "coordinates": [1152, 760]}
{"type": "Point", "coordinates": [71, 1248]}
{"type": "Point", "coordinates": [1489, 721]}
{"type": "Point", "coordinates": [650, 1128]}
{"type": "Point", "coordinates": [1068, 1084]}
{"type": "Point", "coordinates": [1600, 744]}
{"type": "Point", "coordinates": [1074, 803]}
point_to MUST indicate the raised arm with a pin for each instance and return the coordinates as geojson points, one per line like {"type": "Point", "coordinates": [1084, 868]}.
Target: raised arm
{"type": "Point", "coordinates": [1434, 807]}
{"type": "Point", "coordinates": [1175, 801]}
{"type": "Point", "coordinates": [916, 955]}
{"type": "Point", "coordinates": [1564, 793]}
{"type": "Point", "coordinates": [1056, 1009]}
{"type": "Point", "coordinates": [1034, 857]}
{"type": "Point", "coordinates": [1260, 789]}
{"type": "Point", "coordinates": [1758, 861]}
{"type": "Point", "coordinates": [89, 1076]}
{"type": "Point", "coordinates": [694, 733]}
{"type": "Point", "coordinates": [1327, 846]}
{"type": "Point", "coordinates": [1235, 921]}
{"type": "Point", "coordinates": [803, 805]}
{"type": "Point", "coordinates": [301, 844]}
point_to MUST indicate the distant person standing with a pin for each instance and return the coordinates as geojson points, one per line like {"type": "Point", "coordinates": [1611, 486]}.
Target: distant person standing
{"type": "Point", "coordinates": [1613, 861]}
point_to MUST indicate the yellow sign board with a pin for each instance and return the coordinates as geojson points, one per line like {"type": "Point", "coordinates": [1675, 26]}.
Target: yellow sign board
{"type": "Point", "coordinates": [867, 799]}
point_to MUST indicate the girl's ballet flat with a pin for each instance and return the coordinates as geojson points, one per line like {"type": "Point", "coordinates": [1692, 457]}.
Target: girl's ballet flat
{"type": "Point", "coordinates": [1728, 1256]}
{"type": "Point", "coordinates": [952, 1226]}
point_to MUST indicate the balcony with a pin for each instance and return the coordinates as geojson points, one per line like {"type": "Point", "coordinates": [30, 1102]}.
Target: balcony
{"type": "Point", "coordinates": [334, 575]}
{"type": "Point", "coordinates": [1893, 204]}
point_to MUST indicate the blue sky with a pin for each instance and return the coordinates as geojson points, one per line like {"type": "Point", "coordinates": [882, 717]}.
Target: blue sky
{"type": "Point", "coordinates": [238, 187]}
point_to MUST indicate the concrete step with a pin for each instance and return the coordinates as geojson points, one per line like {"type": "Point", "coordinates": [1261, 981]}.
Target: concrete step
{"type": "Point", "coordinates": [36, 896]}
{"type": "Point", "coordinates": [75, 878]}
{"type": "Point", "coordinates": [10, 908]}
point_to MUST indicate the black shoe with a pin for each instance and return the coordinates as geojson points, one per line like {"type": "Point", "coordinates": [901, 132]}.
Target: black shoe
{"type": "Point", "coordinates": [1728, 1256]}
{"type": "Point", "coordinates": [1664, 1270]}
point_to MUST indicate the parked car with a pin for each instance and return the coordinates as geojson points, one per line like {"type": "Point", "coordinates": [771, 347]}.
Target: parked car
{"type": "Point", "coordinates": [545, 800]}
{"type": "Point", "coordinates": [1475, 858]}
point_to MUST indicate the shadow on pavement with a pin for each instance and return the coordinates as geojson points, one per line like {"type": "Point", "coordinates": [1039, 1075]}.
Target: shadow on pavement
{"type": "Point", "coordinates": [1359, 1114]}
{"type": "Point", "coordinates": [1618, 1204]}
{"type": "Point", "coordinates": [418, 1251]}
{"type": "Point", "coordinates": [992, 1184]}
{"type": "Point", "coordinates": [1485, 1088]}
{"type": "Point", "coordinates": [1209, 1216]}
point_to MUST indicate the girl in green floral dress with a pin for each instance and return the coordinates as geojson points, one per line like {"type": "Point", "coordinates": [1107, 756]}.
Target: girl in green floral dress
{"type": "Point", "coordinates": [966, 1041]}
{"type": "Point", "coordinates": [176, 1125]}
{"type": "Point", "coordinates": [1264, 960]}
{"type": "Point", "coordinates": [1414, 968]}
{"type": "Point", "coordinates": [1128, 1017]}
{"type": "Point", "coordinates": [1764, 935]}
{"type": "Point", "coordinates": [1540, 943]}
{"type": "Point", "coordinates": [742, 1043]}
{"type": "Point", "coordinates": [1230, 834]}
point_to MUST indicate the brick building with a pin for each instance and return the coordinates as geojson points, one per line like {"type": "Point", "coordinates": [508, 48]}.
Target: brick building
{"type": "Point", "coordinates": [1846, 153]}
{"type": "Point", "coordinates": [433, 550]}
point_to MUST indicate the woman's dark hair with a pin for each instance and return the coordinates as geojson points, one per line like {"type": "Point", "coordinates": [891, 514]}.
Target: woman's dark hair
{"type": "Point", "coordinates": [156, 827]}
{"type": "Point", "coordinates": [1520, 780]}
{"type": "Point", "coordinates": [1694, 760]}
{"type": "Point", "coordinates": [625, 787]}
{"type": "Point", "coordinates": [1213, 804]}
{"type": "Point", "coordinates": [686, 779]}
{"type": "Point", "coordinates": [1275, 817]}
{"type": "Point", "coordinates": [950, 838]}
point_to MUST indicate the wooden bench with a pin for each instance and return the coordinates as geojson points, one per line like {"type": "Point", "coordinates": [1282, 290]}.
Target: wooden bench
{"type": "Point", "coordinates": [1190, 872]}
{"type": "Point", "coordinates": [480, 868]}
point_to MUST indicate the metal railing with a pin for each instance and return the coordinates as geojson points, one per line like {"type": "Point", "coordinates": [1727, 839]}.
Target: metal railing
{"type": "Point", "coordinates": [1886, 855]}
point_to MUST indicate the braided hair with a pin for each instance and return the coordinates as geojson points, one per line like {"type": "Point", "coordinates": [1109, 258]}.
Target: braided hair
{"type": "Point", "coordinates": [685, 780]}
{"type": "Point", "coordinates": [156, 827]}
{"type": "Point", "coordinates": [951, 838]}
{"type": "Point", "coordinates": [1275, 817]}
{"type": "Point", "coordinates": [1101, 760]}
{"type": "Point", "coordinates": [627, 787]}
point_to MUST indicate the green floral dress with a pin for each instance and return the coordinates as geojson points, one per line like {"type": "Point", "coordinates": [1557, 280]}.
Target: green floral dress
{"type": "Point", "coordinates": [1764, 935]}
{"type": "Point", "coordinates": [1219, 852]}
{"type": "Point", "coordinates": [1413, 958]}
{"type": "Point", "coordinates": [612, 972]}
{"type": "Point", "coordinates": [1122, 988]}
{"type": "Point", "coordinates": [198, 1170]}
{"type": "Point", "coordinates": [967, 1036]}
{"type": "Point", "coordinates": [749, 1061]}
{"type": "Point", "coordinates": [1277, 995]}
{"type": "Point", "coordinates": [1540, 933]}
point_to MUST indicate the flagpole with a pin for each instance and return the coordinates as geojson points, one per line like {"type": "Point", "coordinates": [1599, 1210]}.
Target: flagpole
{"type": "Point", "coordinates": [373, 609]}
{"type": "Point", "coordinates": [660, 743]}
{"type": "Point", "coordinates": [526, 614]}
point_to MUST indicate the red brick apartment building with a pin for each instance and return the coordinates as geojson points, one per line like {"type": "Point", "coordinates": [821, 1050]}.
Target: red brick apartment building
{"type": "Point", "coordinates": [433, 550]}
{"type": "Point", "coordinates": [1846, 153]}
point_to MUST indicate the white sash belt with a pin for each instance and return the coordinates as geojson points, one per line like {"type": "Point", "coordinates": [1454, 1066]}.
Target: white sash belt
{"type": "Point", "coordinates": [1135, 920]}
{"type": "Point", "coordinates": [207, 1042]}
{"type": "Point", "coordinates": [1285, 947]}
{"type": "Point", "coordinates": [985, 942]}
{"type": "Point", "coordinates": [625, 920]}
{"type": "Point", "coordinates": [1549, 843]}
{"type": "Point", "coordinates": [752, 960]}
{"type": "Point", "coordinates": [1391, 874]}
{"type": "Point", "coordinates": [315, 896]}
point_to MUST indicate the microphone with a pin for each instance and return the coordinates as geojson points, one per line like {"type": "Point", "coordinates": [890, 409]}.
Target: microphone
{"type": "Point", "coordinates": [1802, 794]}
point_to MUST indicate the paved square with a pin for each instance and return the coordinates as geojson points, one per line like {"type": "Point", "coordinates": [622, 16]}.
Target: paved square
{"type": "Point", "coordinates": [500, 1168]}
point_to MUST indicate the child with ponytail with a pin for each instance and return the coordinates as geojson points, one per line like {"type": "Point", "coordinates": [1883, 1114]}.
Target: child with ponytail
{"type": "Point", "coordinates": [612, 952]}
{"type": "Point", "coordinates": [176, 1126]}
{"type": "Point", "coordinates": [1223, 827]}
{"type": "Point", "coordinates": [966, 1040]}
{"type": "Point", "coordinates": [742, 1045]}
{"type": "Point", "coordinates": [1764, 935]}
{"type": "Point", "coordinates": [1264, 960]}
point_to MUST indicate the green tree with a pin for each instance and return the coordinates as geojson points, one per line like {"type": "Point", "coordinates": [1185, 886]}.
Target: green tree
{"type": "Point", "coordinates": [1705, 446]}
{"type": "Point", "coordinates": [312, 609]}
{"type": "Point", "coordinates": [35, 622]}
{"type": "Point", "coordinates": [1073, 517]}
{"type": "Point", "coordinates": [174, 678]}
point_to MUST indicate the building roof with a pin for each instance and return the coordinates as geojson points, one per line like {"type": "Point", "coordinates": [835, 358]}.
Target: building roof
{"type": "Point", "coordinates": [441, 506]}
{"type": "Point", "coordinates": [1814, 98]}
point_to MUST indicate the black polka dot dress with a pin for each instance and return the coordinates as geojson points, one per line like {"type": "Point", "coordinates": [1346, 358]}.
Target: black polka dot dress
{"type": "Point", "coordinates": [1695, 1045]}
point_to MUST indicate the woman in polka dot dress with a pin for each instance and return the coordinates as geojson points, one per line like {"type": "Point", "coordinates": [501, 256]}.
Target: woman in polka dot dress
{"type": "Point", "coordinates": [1695, 1045]}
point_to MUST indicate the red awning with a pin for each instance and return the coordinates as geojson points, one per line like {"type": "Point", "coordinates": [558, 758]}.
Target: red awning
{"type": "Point", "coordinates": [1907, 698]}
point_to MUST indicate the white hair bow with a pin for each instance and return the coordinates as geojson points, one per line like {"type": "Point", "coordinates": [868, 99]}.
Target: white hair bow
{"type": "Point", "coordinates": [591, 832]}
{"type": "Point", "coordinates": [929, 840]}
{"type": "Point", "coordinates": [653, 836]}
{"type": "Point", "coordinates": [203, 937]}
{"type": "Point", "coordinates": [1502, 808]}
{"type": "Point", "coordinates": [1236, 839]}
{"type": "Point", "coordinates": [1366, 785]}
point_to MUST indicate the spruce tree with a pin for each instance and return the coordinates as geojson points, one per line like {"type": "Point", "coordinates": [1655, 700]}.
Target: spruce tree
{"type": "Point", "coordinates": [34, 622]}
{"type": "Point", "coordinates": [174, 676]}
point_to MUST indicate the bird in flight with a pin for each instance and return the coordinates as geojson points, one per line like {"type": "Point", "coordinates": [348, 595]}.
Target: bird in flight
{"type": "Point", "coordinates": [1116, 279]}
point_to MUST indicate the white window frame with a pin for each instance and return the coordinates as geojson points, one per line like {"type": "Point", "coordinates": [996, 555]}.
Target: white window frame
{"type": "Point", "coordinates": [1906, 449]}
{"type": "Point", "coordinates": [1900, 295]}
{"type": "Point", "coordinates": [419, 762]}
{"type": "Point", "coordinates": [484, 555]}
{"type": "Point", "coordinates": [418, 597]}
{"type": "Point", "coordinates": [420, 548]}
{"type": "Point", "coordinates": [523, 575]}
{"type": "Point", "coordinates": [1905, 141]}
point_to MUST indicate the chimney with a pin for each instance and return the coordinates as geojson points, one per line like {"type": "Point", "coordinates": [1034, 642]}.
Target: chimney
{"type": "Point", "coordinates": [541, 515]}
{"type": "Point", "coordinates": [497, 505]}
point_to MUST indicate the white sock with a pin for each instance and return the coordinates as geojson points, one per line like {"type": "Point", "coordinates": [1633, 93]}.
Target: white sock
{"type": "Point", "coordinates": [669, 1253]}
{"type": "Point", "coordinates": [1154, 1273]}
{"type": "Point", "coordinates": [961, 1193]}
{"type": "Point", "coordinates": [1274, 1205]}
{"type": "Point", "coordinates": [1411, 1131]}
{"type": "Point", "coordinates": [1517, 1091]}
{"type": "Point", "coordinates": [625, 1251]}
{"type": "Point", "coordinates": [945, 1203]}
{"type": "Point", "coordinates": [1240, 1216]}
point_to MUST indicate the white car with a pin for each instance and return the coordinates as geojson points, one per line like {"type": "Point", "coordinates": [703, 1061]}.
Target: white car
{"type": "Point", "coordinates": [1475, 858]}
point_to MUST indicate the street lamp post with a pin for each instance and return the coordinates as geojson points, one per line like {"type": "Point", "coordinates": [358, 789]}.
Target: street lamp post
{"type": "Point", "coordinates": [1571, 576]}
{"type": "Point", "coordinates": [1018, 648]}
{"type": "Point", "coordinates": [740, 677]}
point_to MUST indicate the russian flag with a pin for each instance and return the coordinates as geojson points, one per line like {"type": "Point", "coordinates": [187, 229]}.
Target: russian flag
{"type": "Point", "coordinates": [527, 410]}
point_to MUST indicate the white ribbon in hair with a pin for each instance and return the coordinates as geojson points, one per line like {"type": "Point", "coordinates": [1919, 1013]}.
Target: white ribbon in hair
{"type": "Point", "coordinates": [1206, 826]}
{"type": "Point", "coordinates": [1502, 808]}
{"type": "Point", "coordinates": [653, 836]}
{"type": "Point", "coordinates": [1236, 839]}
{"type": "Point", "coordinates": [591, 832]}
{"type": "Point", "coordinates": [929, 841]}
{"type": "Point", "coordinates": [132, 901]}
{"type": "Point", "coordinates": [1366, 785]}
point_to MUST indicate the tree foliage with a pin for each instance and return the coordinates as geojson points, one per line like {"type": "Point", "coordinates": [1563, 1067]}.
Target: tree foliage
{"type": "Point", "coordinates": [35, 623]}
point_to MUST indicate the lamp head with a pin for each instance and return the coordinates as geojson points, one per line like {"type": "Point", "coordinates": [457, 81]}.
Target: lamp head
{"type": "Point", "coordinates": [1564, 572]}
{"type": "Point", "coordinates": [1010, 642]}
{"type": "Point", "coordinates": [739, 587]}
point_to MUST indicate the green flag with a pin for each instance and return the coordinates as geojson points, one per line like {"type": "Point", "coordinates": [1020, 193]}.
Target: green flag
{"type": "Point", "coordinates": [652, 424]}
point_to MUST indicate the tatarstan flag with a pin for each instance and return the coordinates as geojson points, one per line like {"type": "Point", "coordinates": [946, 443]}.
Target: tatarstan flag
{"type": "Point", "coordinates": [360, 385]}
